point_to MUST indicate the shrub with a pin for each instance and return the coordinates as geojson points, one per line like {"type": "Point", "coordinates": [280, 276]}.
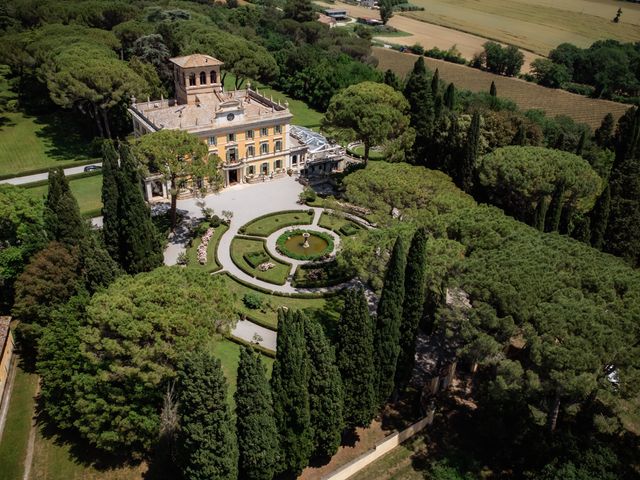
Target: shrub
{"type": "Point", "coordinates": [183, 259]}
{"type": "Point", "coordinates": [215, 221]}
{"type": "Point", "coordinates": [310, 212]}
{"type": "Point", "coordinates": [252, 300]}
{"type": "Point", "coordinates": [256, 258]}
{"type": "Point", "coordinates": [417, 49]}
{"type": "Point", "coordinates": [308, 195]}
{"type": "Point", "coordinates": [349, 229]}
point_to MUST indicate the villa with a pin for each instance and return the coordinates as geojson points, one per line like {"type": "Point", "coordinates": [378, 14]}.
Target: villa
{"type": "Point", "coordinates": [248, 131]}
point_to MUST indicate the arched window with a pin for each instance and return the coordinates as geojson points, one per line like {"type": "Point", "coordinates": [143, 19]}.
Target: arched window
{"type": "Point", "coordinates": [203, 78]}
{"type": "Point", "coordinates": [214, 77]}
{"type": "Point", "coordinates": [192, 79]}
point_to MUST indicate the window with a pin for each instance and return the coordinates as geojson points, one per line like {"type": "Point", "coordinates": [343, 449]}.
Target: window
{"type": "Point", "coordinates": [278, 164]}
{"type": "Point", "coordinates": [212, 141]}
{"type": "Point", "coordinates": [294, 160]}
{"type": "Point", "coordinates": [264, 168]}
{"type": "Point", "coordinates": [277, 129]}
{"type": "Point", "coordinates": [231, 137]}
{"type": "Point", "coordinates": [203, 78]}
{"type": "Point", "coordinates": [249, 134]}
{"type": "Point", "coordinates": [251, 170]}
{"type": "Point", "coordinates": [199, 183]}
{"type": "Point", "coordinates": [264, 132]}
{"type": "Point", "coordinates": [264, 148]}
{"type": "Point", "coordinates": [192, 79]}
{"type": "Point", "coordinates": [251, 151]}
{"type": "Point", "coordinates": [213, 77]}
{"type": "Point", "coordinates": [232, 155]}
{"type": "Point", "coordinates": [278, 145]}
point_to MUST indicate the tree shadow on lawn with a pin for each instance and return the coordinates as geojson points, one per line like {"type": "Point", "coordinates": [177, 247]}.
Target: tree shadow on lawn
{"type": "Point", "coordinates": [6, 122]}
{"type": "Point", "coordinates": [65, 136]}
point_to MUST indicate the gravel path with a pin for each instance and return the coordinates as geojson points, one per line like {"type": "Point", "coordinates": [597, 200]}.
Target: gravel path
{"type": "Point", "coordinates": [250, 332]}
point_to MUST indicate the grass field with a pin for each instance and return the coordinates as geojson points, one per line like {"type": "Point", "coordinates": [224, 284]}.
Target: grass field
{"type": "Point", "coordinates": [211, 265]}
{"type": "Point", "coordinates": [263, 227]}
{"type": "Point", "coordinates": [526, 95]}
{"type": "Point", "coordinates": [87, 190]}
{"type": "Point", "coordinates": [325, 309]}
{"type": "Point", "coordinates": [335, 223]}
{"type": "Point", "coordinates": [536, 25]}
{"type": "Point", "coordinates": [240, 246]}
{"type": "Point", "coordinates": [13, 444]}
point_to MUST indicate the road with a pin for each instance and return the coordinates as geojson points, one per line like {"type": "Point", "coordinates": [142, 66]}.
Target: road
{"type": "Point", "coordinates": [43, 176]}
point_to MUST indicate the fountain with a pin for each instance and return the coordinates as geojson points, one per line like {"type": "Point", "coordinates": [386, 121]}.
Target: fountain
{"type": "Point", "coordinates": [306, 236]}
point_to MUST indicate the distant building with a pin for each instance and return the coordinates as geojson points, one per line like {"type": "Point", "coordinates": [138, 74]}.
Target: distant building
{"type": "Point", "coordinates": [6, 354]}
{"type": "Point", "coordinates": [337, 14]}
{"type": "Point", "coordinates": [322, 18]}
{"type": "Point", "coordinates": [247, 130]}
{"type": "Point", "coordinates": [369, 21]}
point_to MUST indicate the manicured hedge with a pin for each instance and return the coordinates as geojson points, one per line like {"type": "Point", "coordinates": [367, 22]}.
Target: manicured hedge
{"type": "Point", "coordinates": [259, 348]}
{"type": "Point", "coordinates": [256, 258]}
{"type": "Point", "coordinates": [280, 244]}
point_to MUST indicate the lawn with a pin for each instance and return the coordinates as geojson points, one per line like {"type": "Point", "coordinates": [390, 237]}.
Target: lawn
{"type": "Point", "coordinates": [241, 246]}
{"type": "Point", "coordinates": [13, 444]}
{"type": "Point", "coordinates": [380, 31]}
{"type": "Point", "coordinates": [336, 222]}
{"type": "Point", "coordinates": [212, 264]}
{"type": "Point", "coordinates": [303, 115]}
{"type": "Point", "coordinates": [228, 353]}
{"type": "Point", "coordinates": [265, 226]}
{"type": "Point", "coordinates": [325, 309]}
{"type": "Point", "coordinates": [373, 153]}
{"type": "Point", "coordinates": [87, 190]}
{"type": "Point", "coordinates": [535, 25]}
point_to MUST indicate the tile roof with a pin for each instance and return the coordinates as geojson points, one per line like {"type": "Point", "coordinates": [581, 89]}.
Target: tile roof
{"type": "Point", "coordinates": [195, 60]}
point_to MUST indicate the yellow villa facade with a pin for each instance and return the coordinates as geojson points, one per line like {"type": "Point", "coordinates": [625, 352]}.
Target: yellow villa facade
{"type": "Point", "coordinates": [248, 131]}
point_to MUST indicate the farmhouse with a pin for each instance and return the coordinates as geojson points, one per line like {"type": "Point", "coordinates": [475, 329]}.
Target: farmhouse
{"type": "Point", "coordinates": [336, 14]}
{"type": "Point", "coordinates": [249, 132]}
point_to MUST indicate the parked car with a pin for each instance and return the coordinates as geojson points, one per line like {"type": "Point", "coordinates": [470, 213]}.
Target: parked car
{"type": "Point", "coordinates": [92, 168]}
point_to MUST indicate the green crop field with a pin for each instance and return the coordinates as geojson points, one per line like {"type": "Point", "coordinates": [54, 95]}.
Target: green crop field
{"type": "Point", "coordinates": [536, 25]}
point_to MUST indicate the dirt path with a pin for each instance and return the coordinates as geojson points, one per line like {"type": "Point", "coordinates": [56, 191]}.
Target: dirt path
{"type": "Point", "coordinates": [426, 34]}
{"type": "Point", "coordinates": [28, 461]}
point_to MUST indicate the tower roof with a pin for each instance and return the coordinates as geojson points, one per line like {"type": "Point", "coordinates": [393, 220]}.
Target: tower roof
{"type": "Point", "coordinates": [195, 60]}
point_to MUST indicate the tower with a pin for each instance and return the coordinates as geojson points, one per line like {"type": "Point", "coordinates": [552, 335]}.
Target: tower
{"type": "Point", "coordinates": [196, 76]}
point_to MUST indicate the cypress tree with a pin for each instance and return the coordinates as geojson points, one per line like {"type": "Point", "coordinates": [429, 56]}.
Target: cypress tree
{"type": "Point", "coordinates": [600, 218]}
{"type": "Point", "coordinates": [623, 230]}
{"type": "Point", "coordinates": [418, 92]}
{"type": "Point", "coordinates": [207, 446]}
{"type": "Point", "coordinates": [289, 387]}
{"type": "Point", "coordinates": [255, 423]}
{"type": "Point", "coordinates": [391, 79]}
{"type": "Point", "coordinates": [63, 221]}
{"type": "Point", "coordinates": [389, 318]}
{"type": "Point", "coordinates": [493, 90]}
{"type": "Point", "coordinates": [520, 138]}
{"type": "Point", "coordinates": [540, 213]}
{"type": "Point", "coordinates": [412, 310]}
{"type": "Point", "coordinates": [450, 96]}
{"type": "Point", "coordinates": [140, 247]}
{"type": "Point", "coordinates": [603, 135]}
{"type": "Point", "coordinates": [467, 167]}
{"type": "Point", "coordinates": [453, 151]}
{"type": "Point", "coordinates": [354, 355]}
{"type": "Point", "coordinates": [555, 209]}
{"type": "Point", "coordinates": [581, 143]}
{"type": "Point", "coordinates": [110, 221]}
{"type": "Point", "coordinates": [98, 268]}
{"type": "Point", "coordinates": [435, 83]}
{"type": "Point", "coordinates": [325, 390]}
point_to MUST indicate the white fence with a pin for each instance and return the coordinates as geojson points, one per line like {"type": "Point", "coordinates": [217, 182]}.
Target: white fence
{"type": "Point", "coordinates": [382, 447]}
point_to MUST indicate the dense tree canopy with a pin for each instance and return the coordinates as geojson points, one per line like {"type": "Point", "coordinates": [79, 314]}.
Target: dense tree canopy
{"type": "Point", "coordinates": [135, 334]}
{"type": "Point", "coordinates": [373, 113]}
{"type": "Point", "coordinates": [520, 178]}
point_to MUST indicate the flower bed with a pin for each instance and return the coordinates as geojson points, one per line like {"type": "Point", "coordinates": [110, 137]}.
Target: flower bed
{"type": "Point", "coordinates": [282, 248]}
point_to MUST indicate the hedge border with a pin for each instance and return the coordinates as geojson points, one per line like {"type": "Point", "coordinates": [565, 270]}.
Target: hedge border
{"type": "Point", "coordinates": [264, 243]}
{"type": "Point", "coordinates": [275, 214]}
{"type": "Point", "coordinates": [36, 171]}
{"type": "Point", "coordinates": [70, 178]}
{"type": "Point", "coordinates": [257, 321]}
{"type": "Point", "coordinates": [332, 283]}
{"type": "Point", "coordinates": [263, 350]}
{"type": "Point", "coordinates": [359, 227]}
{"type": "Point", "coordinates": [280, 294]}
{"type": "Point", "coordinates": [284, 251]}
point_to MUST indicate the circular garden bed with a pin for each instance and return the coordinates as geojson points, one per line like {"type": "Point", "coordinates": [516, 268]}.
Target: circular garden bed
{"type": "Point", "coordinates": [293, 245]}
